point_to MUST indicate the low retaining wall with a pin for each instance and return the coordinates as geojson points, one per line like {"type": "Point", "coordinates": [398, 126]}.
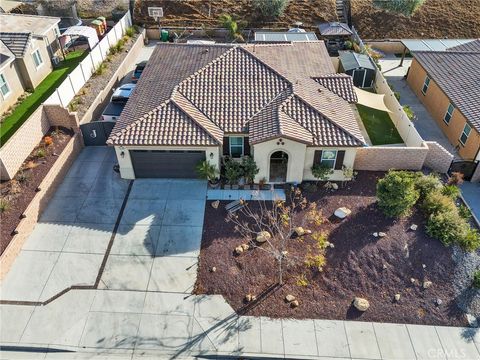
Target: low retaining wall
{"type": "Point", "coordinates": [21, 144]}
{"type": "Point", "coordinates": [94, 111]}
{"type": "Point", "coordinates": [387, 46]}
{"type": "Point", "coordinates": [384, 158]}
{"type": "Point", "coordinates": [40, 201]}
{"type": "Point", "coordinates": [438, 158]}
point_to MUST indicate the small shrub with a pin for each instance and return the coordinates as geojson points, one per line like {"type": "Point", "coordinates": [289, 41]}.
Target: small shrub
{"type": "Point", "coordinates": [120, 45]}
{"type": "Point", "coordinates": [250, 169]}
{"type": "Point", "coordinates": [405, 7]}
{"type": "Point", "coordinates": [4, 205]}
{"type": "Point", "coordinates": [408, 110]}
{"type": "Point", "coordinates": [48, 140]}
{"type": "Point", "coordinates": [436, 202]}
{"type": "Point", "coordinates": [348, 45]}
{"type": "Point", "coordinates": [396, 193]}
{"type": "Point", "coordinates": [232, 27]}
{"type": "Point", "coordinates": [426, 184]}
{"type": "Point", "coordinates": [456, 178]}
{"type": "Point", "coordinates": [321, 239]}
{"type": "Point", "coordinates": [22, 176]}
{"type": "Point", "coordinates": [476, 279]}
{"type": "Point", "coordinates": [302, 280]}
{"type": "Point", "coordinates": [470, 240]}
{"type": "Point", "coordinates": [101, 69]}
{"type": "Point", "coordinates": [464, 212]}
{"type": "Point", "coordinates": [131, 31]}
{"type": "Point", "coordinates": [30, 165]}
{"type": "Point", "coordinates": [315, 261]}
{"type": "Point", "coordinates": [321, 172]}
{"type": "Point", "coordinates": [270, 9]}
{"type": "Point", "coordinates": [452, 191]}
{"type": "Point", "coordinates": [446, 227]}
{"type": "Point", "coordinates": [41, 153]}
{"type": "Point", "coordinates": [233, 171]}
{"type": "Point", "coordinates": [112, 51]}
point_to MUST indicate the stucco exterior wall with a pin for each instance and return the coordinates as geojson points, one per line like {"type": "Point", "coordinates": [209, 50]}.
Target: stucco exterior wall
{"type": "Point", "coordinates": [10, 72]}
{"type": "Point", "coordinates": [296, 158]}
{"type": "Point", "coordinates": [437, 103]}
{"type": "Point", "coordinates": [31, 75]}
{"type": "Point", "coordinates": [337, 175]}
{"type": "Point", "coordinates": [125, 162]}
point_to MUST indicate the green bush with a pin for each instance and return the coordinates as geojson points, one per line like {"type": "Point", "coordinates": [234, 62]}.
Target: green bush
{"type": "Point", "coordinates": [448, 227]}
{"type": "Point", "coordinates": [405, 7]}
{"type": "Point", "coordinates": [207, 171]}
{"type": "Point", "coordinates": [233, 171]}
{"type": "Point", "coordinates": [321, 172]}
{"type": "Point", "coordinates": [4, 205]}
{"type": "Point", "coordinates": [464, 212]}
{"type": "Point", "coordinates": [470, 240]}
{"type": "Point", "coordinates": [408, 110]}
{"type": "Point", "coordinates": [426, 184]}
{"type": "Point", "coordinates": [436, 202]}
{"type": "Point", "coordinates": [250, 169]}
{"type": "Point", "coordinates": [452, 191]}
{"type": "Point", "coordinates": [270, 9]}
{"type": "Point", "coordinates": [232, 27]}
{"type": "Point", "coordinates": [101, 69]}
{"type": "Point", "coordinates": [396, 193]}
{"type": "Point", "coordinates": [476, 279]}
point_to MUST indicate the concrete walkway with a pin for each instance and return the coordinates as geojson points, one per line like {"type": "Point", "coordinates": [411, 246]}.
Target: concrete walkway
{"type": "Point", "coordinates": [426, 126]}
{"type": "Point", "coordinates": [471, 195]}
{"type": "Point", "coordinates": [266, 195]}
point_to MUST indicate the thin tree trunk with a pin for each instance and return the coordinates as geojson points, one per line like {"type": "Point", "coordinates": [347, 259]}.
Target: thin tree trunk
{"type": "Point", "coordinates": [280, 272]}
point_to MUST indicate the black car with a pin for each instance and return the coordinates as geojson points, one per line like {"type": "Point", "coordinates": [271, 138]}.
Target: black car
{"type": "Point", "coordinates": [138, 70]}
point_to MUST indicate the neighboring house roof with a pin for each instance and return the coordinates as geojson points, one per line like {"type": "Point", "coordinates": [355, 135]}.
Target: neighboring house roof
{"type": "Point", "coordinates": [266, 91]}
{"type": "Point", "coordinates": [16, 42]}
{"type": "Point", "coordinates": [457, 74]}
{"type": "Point", "coordinates": [351, 60]}
{"type": "Point", "coordinates": [469, 47]}
{"type": "Point", "coordinates": [432, 44]}
{"type": "Point", "coordinates": [334, 28]}
{"type": "Point", "coordinates": [340, 84]}
{"type": "Point", "coordinates": [8, 5]}
{"type": "Point", "coordinates": [284, 36]}
{"type": "Point", "coordinates": [38, 25]}
{"type": "Point", "coordinates": [5, 54]}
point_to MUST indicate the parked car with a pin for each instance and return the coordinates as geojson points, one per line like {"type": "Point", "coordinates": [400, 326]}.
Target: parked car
{"type": "Point", "coordinates": [117, 102]}
{"type": "Point", "coordinates": [138, 70]}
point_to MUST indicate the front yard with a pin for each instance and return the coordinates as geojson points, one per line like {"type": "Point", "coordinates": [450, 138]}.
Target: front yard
{"type": "Point", "coordinates": [379, 126]}
{"type": "Point", "coordinates": [358, 264]}
{"type": "Point", "coordinates": [26, 108]}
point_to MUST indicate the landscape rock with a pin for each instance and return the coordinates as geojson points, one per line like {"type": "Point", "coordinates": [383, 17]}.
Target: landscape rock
{"type": "Point", "coordinates": [438, 302]}
{"type": "Point", "coordinates": [375, 234]}
{"type": "Point", "coordinates": [245, 247]}
{"type": "Point", "coordinates": [307, 232]}
{"type": "Point", "coordinates": [413, 281]}
{"type": "Point", "coordinates": [342, 212]}
{"type": "Point", "coordinates": [238, 250]}
{"type": "Point", "coordinates": [414, 227]}
{"type": "Point", "coordinates": [397, 297]}
{"type": "Point", "coordinates": [300, 231]}
{"type": "Point", "coordinates": [472, 321]}
{"type": "Point", "coordinates": [334, 186]}
{"type": "Point", "coordinates": [213, 269]}
{"type": "Point", "coordinates": [294, 303]}
{"type": "Point", "coordinates": [427, 284]}
{"type": "Point", "coordinates": [263, 236]}
{"type": "Point", "coordinates": [215, 204]}
{"type": "Point", "coordinates": [250, 298]}
{"type": "Point", "coordinates": [289, 298]}
{"type": "Point", "coordinates": [424, 266]}
{"type": "Point", "coordinates": [361, 304]}
{"type": "Point", "coordinates": [381, 234]}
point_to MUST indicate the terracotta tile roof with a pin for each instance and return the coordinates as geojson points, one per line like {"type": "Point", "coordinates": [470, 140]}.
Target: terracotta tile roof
{"type": "Point", "coordinates": [16, 42]}
{"type": "Point", "coordinates": [472, 46]}
{"type": "Point", "coordinates": [458, 75]}
{"type": "Point", "coordinates": [340, 84]}
{"type": "Point", "coordinates": [237, 89]}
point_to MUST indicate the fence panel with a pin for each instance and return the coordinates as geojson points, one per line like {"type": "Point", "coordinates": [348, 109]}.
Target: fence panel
{"type": "Point", "coordinates": [96, 56]}
{"type": "Point", "coordinates": [87, 67]}
{"type": "Point", "coordinates": [77, 80]}
{"type": "Point", "coordinates": [104, 47]}
{"type": "Point", "coordinates": [112, 37]}
{"type": "Point", "coordinates": [53, 99]}
{"type": "Point", "coordinates": [66, 92]}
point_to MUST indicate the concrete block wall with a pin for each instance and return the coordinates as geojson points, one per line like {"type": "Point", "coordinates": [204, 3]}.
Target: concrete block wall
{"type": "Point", "coordinates": [40, 201]}
{"type": "Point", "coordinates": [438, 158]}
{"type": "Point", "coordinates": [384, 158]}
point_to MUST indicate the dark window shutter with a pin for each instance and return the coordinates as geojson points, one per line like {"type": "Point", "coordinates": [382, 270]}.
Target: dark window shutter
{"type": "Point", "coordinates": [317, 157]}
{"type": "Point", "coordinates": [340, 157]}
{"type": "Point", "coordinates": [246, 146]}
{"type": "Point", "coordinates": [226, 146]}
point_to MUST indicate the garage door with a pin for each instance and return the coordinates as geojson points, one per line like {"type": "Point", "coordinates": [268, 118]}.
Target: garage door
{"type": "Point", "coordinates": [165, 164]}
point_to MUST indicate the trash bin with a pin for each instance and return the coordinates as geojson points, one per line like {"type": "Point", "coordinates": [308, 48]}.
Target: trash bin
{"type": "Point", "coordinates": [164, 36]}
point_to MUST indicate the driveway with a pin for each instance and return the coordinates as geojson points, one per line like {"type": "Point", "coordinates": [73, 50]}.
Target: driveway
{"type": "Point", "coordinates": [425, 124]}
{"type": "Point", "coordinates": [471, 195]}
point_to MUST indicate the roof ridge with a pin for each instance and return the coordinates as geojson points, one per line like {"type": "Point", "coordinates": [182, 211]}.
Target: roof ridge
{"type": "Point", "coordinates": [31, 15]}
{"type": "Point", "coordinates": [282, 126]}
{"type": "Point", "coordinates": [270, 102]}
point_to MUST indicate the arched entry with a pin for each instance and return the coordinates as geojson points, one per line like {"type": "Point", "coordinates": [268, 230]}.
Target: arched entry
{"type": "Point", "coordinates": [278, 166]}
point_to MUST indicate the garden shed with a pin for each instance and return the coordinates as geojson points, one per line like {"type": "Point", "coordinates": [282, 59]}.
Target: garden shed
{"type": "Point", "coordinates": [359, 67]}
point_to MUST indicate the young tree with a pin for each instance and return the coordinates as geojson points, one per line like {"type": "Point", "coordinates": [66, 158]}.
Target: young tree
{"type": "Point", "coordinates": [396, 193]}
{"type": "Point", "coordinates": [321, 172]}
{"type": "Point", "coordinates": [250, 169]}
{"type": "Point", "coordinates": [275, 223]}
{"type": "Point", "coordinates": [233, 171]}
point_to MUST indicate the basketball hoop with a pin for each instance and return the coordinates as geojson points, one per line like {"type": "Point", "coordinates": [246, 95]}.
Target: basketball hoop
{"type": "Point", "coordinates": [155, 12]}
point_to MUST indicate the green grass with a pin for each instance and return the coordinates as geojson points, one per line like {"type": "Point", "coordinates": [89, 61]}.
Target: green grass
{"type": "Point", "coordinates": [39, 95]}
{"type": "Point", "coordinates": [380, 127]}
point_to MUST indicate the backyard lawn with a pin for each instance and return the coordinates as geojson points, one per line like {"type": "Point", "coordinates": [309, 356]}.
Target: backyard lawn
{"type": "Point", "coordinates": [380, 127]}
{"type": "Point", "coordinates": [39, 95]}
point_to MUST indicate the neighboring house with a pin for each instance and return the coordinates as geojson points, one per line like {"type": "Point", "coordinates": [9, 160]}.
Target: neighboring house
{"type": "Point", "coordinates": [448, 84]}
{"type": "Point", "coordinates": [10, 83]}
{"type": "Point", "coordinates": [283, 104]}
{"type": "Point", "coordinates": [33, 42]}
{"type": "Point", "coordinates": [284, 36]}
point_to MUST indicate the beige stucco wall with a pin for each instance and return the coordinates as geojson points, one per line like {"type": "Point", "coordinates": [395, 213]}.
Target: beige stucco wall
{"type": "Point", "coordinates": [10, 73]}
{"type": "Point", "coordinates": [437, 103]}
{"type": "Point", "coordinates": [387, 46]}
{"type": "Point", "coordinates": [337, 174]}
{"type": "Point", "coordinates": [125, 162]}
{"type": "Point", "coordinates": [31, 75]}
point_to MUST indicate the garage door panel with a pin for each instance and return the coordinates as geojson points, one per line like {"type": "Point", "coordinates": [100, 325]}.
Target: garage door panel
{"type": "Point", "coordinates": [166, 164]}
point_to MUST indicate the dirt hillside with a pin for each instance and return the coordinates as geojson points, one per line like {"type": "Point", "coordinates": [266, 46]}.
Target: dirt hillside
{"type": "Point", "coordinates": [436, 19]}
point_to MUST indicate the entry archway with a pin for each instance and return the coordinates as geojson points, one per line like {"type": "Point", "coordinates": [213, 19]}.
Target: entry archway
{"type": "Point", "coordinates": [278, 167]}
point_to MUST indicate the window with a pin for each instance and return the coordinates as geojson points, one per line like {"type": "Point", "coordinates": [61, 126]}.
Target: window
{"type": "Point", "coordinates": [425, 85]}
{"type": "Point", "coordinates": [466, 131]}
{"type": "Point", "coordinates": [329, 158]}
{"type": "Point", "coordinates": [4, 86]}
{"type": "Point", "coordinates": [236, 146]}
{"type": "Point", "coordinates": [37, 59]}
{"type": "Point", "coordinates": [448, 114]}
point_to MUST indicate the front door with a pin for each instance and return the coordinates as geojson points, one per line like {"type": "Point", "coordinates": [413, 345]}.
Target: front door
{"type": "Point", "coordinates": [278, 167]}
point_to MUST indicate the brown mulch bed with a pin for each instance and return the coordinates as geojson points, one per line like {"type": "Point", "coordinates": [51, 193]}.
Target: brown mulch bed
{"type": "Point", "coordinates": [18, 192]}
{"type": "Point", "coordinates": [358, 265]}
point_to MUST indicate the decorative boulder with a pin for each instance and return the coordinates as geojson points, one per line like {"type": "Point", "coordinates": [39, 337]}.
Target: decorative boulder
{"type": "Point", "coordinates": [299, 231]}
{"type": "Point", "coordinates": [215, 204]}
{"type": "Point", "coordinates": [334, 186]}
{"type": "Point", "coordinates": [361, 304]}
{"type": "Point", "coordinates": [250, 297]}
{"type": "Point", "coordinates": [238, 250]}
{"type": "Point", "coordinates": [427, 284]}
{"type": "Point", "coordinates": [294, 303]}
{"type": "Point", "coordinates": [263, 236]}
{"type": "Point", "coordinates": [245, 247]}
{"type": "Point", "coordinates": [342, 212]}
{"type": "Point", "coordinates": [397, 297]}
{"type": "Point", "coordinates": [381, 234]}
{"type": "Point", "coordinates": [290, 298]}
{"type": "Point", "coordinates": [213, 269]}
{"type": "Point", "coordinates": [375, 234]}
{"type": "Point", "coordinates": [414, 227]}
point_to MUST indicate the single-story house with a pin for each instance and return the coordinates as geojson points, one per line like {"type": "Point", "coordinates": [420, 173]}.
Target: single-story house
{"type": "Point", "coordinates": [282, 104]}
{"type": "Point", "coordinates": [31, 41]}
{"type": "Point", "coordinates": [359, 66]}
{"type": "Point", "coordinates": [448, 84]}
{"type": "Point", "coordinates": [284, 36]}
